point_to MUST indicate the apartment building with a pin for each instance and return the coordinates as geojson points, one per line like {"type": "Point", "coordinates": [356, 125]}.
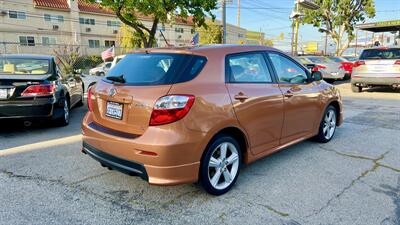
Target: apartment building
{"type": "Point", "coordinates": [38, 26]}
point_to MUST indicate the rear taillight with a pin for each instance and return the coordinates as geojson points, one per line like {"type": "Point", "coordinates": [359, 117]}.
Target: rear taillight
{"type": "Point", "coordinates": [39, 90]}
{"type": "Point", "coordinates": [397, 62]}
{"type": "Point", "coordinates": [358, 63]}
{"type": "Point", "coordinates": [89, 99]}
{"type": "Point", "coordinates": [318, 67]}
{"type": "Point", "coordinates": [170, 108]}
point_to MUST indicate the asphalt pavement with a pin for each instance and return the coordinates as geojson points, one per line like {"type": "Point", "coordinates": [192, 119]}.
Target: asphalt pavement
{"type": "Point", "coordinates": [354, 179]}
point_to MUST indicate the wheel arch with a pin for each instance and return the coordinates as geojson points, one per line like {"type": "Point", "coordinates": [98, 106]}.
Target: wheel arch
{"type": "Point", "coordinates": [238, 134]}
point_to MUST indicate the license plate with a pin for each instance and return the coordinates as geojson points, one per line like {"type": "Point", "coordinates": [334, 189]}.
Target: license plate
{"type": "Point", "coordinates": [3, 93]}
{"type": "Point", "coordinates": [114, 110]}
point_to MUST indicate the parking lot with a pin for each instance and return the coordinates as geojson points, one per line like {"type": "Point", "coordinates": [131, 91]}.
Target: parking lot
{"type": "Point", "coordinates": [354, 179]}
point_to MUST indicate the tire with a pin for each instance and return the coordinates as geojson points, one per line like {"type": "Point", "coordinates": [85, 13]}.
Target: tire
{"type": "Point", "coordinates": [347, 76]}
{"type": "Point", "coordinates": [330, 81]}
{"type": "Point", "coordinates": [214, 171]}
{"type": "Point", "coordinates": [327, 127]}
{"type": "Point", "coordinates": [356, 89]}
{"type": "Point", "coordinates": [64, 118]}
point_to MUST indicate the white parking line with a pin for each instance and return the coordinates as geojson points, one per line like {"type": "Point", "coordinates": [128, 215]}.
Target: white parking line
{"type": "Point", "coordinates": [41, 145]}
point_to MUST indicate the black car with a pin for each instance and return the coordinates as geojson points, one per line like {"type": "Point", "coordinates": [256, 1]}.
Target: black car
{"type": "Point", "coordinates": [33, 88]}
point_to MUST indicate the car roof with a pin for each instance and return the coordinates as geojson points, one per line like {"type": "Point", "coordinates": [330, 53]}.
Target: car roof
{"type": "Point", "coordinates": [205, 49]}
{"type": "Point", "coordinates": [24, 56]}
{"type": "Point", "coordinates": [382, 48]}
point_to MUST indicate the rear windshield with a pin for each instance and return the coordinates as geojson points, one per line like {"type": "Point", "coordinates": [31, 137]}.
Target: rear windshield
{"type": "Point", "coordinates": [24, 66]}
{"type": "Point", "coordinates": [393, 53]}
{"type": "Point", "coordinates": [337, 59]}
{"type": "Point", "coordinates": [319, 59]}
{"type": "Point", "coordinates": [157, 68]}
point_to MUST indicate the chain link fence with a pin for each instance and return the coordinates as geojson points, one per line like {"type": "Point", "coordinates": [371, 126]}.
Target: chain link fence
{"type": "Point", "coordinates": [74, 58]}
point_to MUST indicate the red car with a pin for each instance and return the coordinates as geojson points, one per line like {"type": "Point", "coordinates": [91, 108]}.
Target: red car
{"type": "Point", "coordinates": [346, 64]}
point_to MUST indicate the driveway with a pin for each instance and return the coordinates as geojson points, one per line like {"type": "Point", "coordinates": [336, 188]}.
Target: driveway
{"type": "Point", "coordinates": [354, 179]}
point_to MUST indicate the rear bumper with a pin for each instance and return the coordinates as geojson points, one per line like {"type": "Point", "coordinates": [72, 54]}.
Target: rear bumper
{"type": "Point", "coordinates": [38, 108]}
{"type": "Point", "coordinates": [125, 166]}
{"type": "Point", "coordinates": [175, 151]}
{"type": "Point", "coordinates": [359, 80]}
{"type": "Point", "coordinates": [335, 76]}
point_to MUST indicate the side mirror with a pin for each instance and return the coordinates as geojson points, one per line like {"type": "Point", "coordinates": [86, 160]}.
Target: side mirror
{"type": "Point", "coordinates": [316, 76]}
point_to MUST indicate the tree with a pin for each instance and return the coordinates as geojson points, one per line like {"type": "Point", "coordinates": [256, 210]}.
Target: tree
{"type": "Point", "coordinates": [129, 38]}
{"type": "Point", "coordinates": [339, 18]}
{"type": "Point", "coordinates": [210, 34]}
{"type": "Point", "coordinates": [161, 11]}
{"type": "Point", "coordinates": [67, 57]}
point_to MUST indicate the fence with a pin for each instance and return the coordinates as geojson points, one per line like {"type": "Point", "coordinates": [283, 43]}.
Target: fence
{"type": "Point", "coordinates": [80, 57]}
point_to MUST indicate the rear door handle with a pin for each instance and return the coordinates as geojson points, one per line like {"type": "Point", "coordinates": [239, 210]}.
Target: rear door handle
{"type": "Point", "coordinates": [241, 97]}
{"type": "Point", "coordinates": [288, 94]}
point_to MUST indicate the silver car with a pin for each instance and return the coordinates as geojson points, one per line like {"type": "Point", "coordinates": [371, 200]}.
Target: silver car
{"type": "Point", "coordinates": [330, 70]}
{"type": "Point", "coordinates": [377, 67]}
{"type": "Point", "coordinates": [100, 70]}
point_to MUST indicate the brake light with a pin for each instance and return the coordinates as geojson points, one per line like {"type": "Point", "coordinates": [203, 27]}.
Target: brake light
{"type": "Point", "coordinates": [171, 108]}
{"type": "Point", "coordinates": [89, 99]}
{"type": "Point", "coordinates": [359, 63]}
{"type": "Point", "coordinates": [318, 67]}
{"type": "Point", "coordinates": [39, 90]}
{"type": "Point", "coordinates": [397, 62]}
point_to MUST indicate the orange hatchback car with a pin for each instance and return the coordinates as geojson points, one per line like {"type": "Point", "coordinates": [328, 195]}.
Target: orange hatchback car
{"type": "Point", "coordinates": [182, 115]}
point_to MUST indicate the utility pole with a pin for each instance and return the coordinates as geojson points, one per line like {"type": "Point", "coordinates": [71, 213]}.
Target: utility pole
{"type": "Point", "coordinates": [238, 14]}
{"type": "Point", "coordinates": [326, 44]}
{"type": "Point", "coordinates": [355, 47]}
{"type": "Point", "coordinates": [296, 26]}
{"type": "Point", "coordinates": [223, 22]}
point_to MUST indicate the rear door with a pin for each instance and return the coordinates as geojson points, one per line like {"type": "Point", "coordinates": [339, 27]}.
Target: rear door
{"type": "Point", "coordinates": [301, 97]}
{"type": "Point", "coordinates": [127, 105]}
{"type": "Point", "coordinates": [257, 100]}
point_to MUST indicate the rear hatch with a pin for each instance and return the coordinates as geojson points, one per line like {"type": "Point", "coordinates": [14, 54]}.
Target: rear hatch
{"type": "Point", "coordinates": [19, 73]}
{"type": "Point", "coordinates": [383, 62]}
{"type": "Point", "coordinates": [123, 101]}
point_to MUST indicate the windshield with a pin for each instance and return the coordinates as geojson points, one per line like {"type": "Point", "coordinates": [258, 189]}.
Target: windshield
{"type": "Point", "coordinates": [157, 69]}
{"type": "Point", "coordinates": [381, 54]}
{"type": "Point", "coordinates": [319, 59]}
{"type": "Point", "coordinates": [24, 66]}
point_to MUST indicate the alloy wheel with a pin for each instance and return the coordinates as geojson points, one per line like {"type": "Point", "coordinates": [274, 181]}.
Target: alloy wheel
{"type": "Point", "coordinates": [329, 124]}
{"type": "Point", "coordinates": [223, 165]}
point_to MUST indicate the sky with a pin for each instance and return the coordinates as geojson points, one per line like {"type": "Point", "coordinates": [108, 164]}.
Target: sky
{"type": "Point", "coordinates": [272, 18]}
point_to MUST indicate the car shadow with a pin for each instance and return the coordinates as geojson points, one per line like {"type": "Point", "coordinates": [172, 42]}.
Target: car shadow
{"type": "Point", "coordinates": [14, 133]}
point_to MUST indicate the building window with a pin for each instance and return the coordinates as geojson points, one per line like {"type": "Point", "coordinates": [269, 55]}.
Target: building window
{"type": "Point", "coordinates": [53, 18]}
{"type": "Point", "coordinates": [111, 23]}
{"type": "Point", "coordinates": [178, 30]}
{"type": "Point", "coordinates": [87, 21]}
{"type": "Point", "coordinates": [163, 28]}
{"type": "Point", "coordinates": [17, 15]}
{"type": "Point", "coordinates": [27, 40]}
{"type": "Point", "coordinates": [48, 40]}
{"type": "Point", "coordinates": [94, 44]}
{"type": "Point", "coordinates": [109, 43]}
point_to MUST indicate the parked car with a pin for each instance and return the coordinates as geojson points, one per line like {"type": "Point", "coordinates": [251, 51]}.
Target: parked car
{"type": "Point", "coordinates": [33, 88]}
{"type": "Point", "coordinates": [174, 116]}
{"type": "Point", "coordinates": [116, 60]}
{"type": "Point", "coordinates": [101, 69]}
{"type": "Point", "coordinates": [346, 64]}
{"type": "Point", "coordinates": [377, 67]}
{"type": "Point", "coordinates": [331, 70]}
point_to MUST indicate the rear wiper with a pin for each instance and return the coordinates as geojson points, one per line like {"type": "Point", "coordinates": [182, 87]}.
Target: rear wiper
{"type": "Point", "coordinates": [119, 79]}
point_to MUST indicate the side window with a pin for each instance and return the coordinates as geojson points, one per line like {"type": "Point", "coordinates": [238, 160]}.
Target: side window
{"type": "Point", "coordinates": [248, 68]}
{"type": "Point", "coordinates": [287, 70]}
